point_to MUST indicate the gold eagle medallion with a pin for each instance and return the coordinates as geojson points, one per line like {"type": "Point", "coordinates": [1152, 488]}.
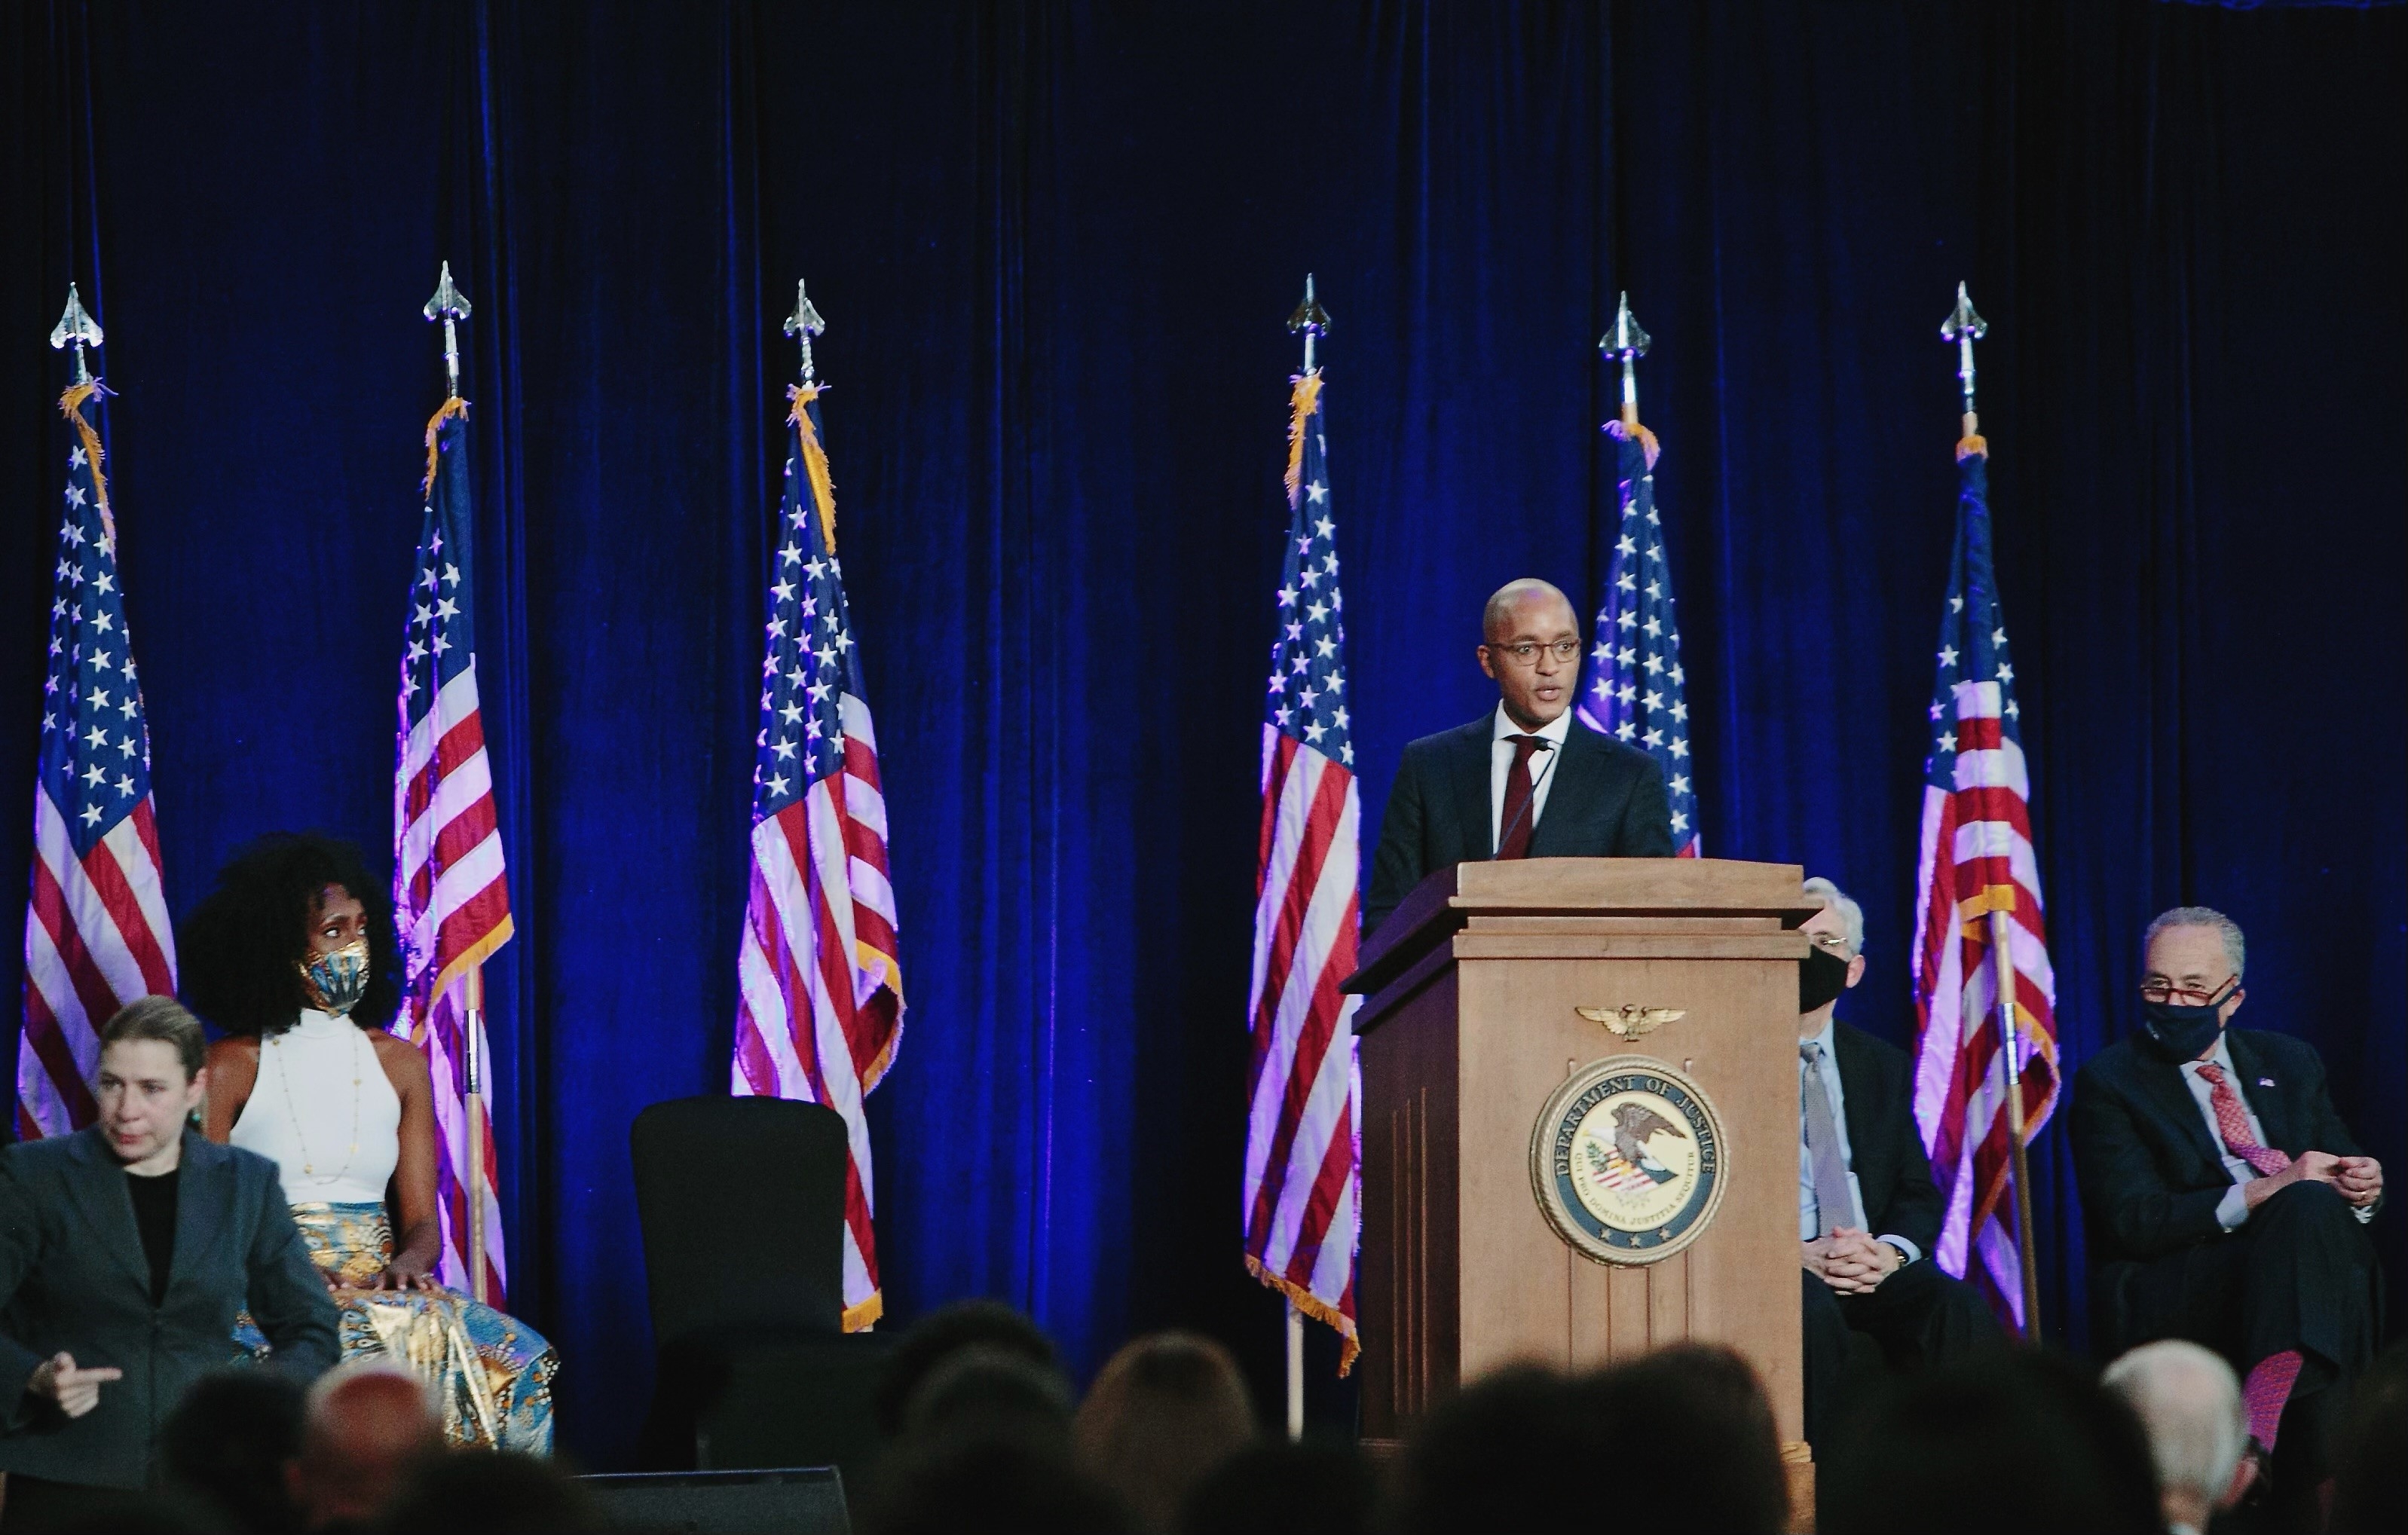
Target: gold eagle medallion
{"type": "Point", "coordinates": [1627, 1160]}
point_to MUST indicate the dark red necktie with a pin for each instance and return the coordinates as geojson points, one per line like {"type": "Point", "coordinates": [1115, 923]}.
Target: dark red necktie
{"type": "Point", "coordinates": [1520, 817]}
{"type": "Point", "coordinates": [2233, 1125]}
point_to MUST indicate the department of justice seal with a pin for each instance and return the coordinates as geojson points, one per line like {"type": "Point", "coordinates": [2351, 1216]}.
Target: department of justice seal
{"type": "Point", "coordinates": [1627, 1160]}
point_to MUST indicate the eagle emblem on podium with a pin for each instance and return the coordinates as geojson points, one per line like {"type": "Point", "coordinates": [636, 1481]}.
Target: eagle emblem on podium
{"type": "Point", "coordinates": [1627, 1160]}
{"type": "Point", "coordinates": [1629, 1021]}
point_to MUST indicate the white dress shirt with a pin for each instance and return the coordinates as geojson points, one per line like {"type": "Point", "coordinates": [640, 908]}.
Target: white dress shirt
{"type": "Point", "coordinates": [1810, 1209]}
{"type": "Point", "coordinates": [2233, 1208]}
{"type": "Point", "coordinates": [1543, 768]}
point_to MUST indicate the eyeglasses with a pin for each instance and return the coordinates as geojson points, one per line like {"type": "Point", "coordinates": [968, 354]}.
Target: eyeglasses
{"type": "Point", "coordinates": [1526, 651]}
{"type": "Point", "coordinates": [2163, 992]}
{"type": "Point", "coordinates": [1836, 942]}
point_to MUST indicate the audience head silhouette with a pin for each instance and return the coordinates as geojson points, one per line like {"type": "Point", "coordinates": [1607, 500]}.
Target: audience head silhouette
{"type": "Point", "coordinates": [2000, 1444]}
{"type": "Point", "coordinates": [225, 1446]}
{"type": "Point", "coordinates": [941, 1334]}
{"type": "Point", "coordinates": [1276, 1488]}
{"type": "Point", "coordinates": [484, 1494]}
{"type": "Point", "coordinates": [1522, 1450]}
{"type": "Point", "coordinates": [1164, 1410]}
{"type": "Point", "coordinates": [363, 1427]}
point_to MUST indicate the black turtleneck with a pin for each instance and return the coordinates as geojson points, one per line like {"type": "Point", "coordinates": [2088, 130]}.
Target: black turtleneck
{"type": "Point", "coordinates": [154, 1216]}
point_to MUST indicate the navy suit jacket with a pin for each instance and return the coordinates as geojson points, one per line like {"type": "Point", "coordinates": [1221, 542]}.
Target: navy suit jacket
{"type": "Point", "coordinates": [2151, 1177]}
{"type": "Point", "coordinates": [1605, 800]}
{"type": "Point", "coordinates": [1885, 1149]}
{"type": "Point", "coordinates": [74, 1277]}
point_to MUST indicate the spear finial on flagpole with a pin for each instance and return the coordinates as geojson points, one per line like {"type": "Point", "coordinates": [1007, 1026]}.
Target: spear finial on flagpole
{"type": "Point", "coordinates": [1626, 342]}
{"type": "Point", "coordinates": [1964, 327]}
{"type": "Point", "coordinates": [450, 305]}
{"type": "Point", "coordinates": [1310, 318]}
{"type": "Point", "coordinates": [803, 324]}
{"type": "Point", "coordinates": [76, 329]}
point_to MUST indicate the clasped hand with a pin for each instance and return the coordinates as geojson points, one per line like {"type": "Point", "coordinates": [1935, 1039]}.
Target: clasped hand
{"type": "Point", "coordinates": [2356, 1179]}
{"type": "Point", "coordinates": [76, 1391]}
{"type": "Point", "coordinates": [1850, 1260]}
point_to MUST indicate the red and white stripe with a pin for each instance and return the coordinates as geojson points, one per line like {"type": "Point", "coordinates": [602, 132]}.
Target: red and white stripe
{"type": "Point", "coordinates": [452, 902]}
{"type": "Point", "coordinates": [1976, 858]}
{"type": "Point", "coordinates": [97, 937]}
{"type": "Point", "coordinates": [1305, 1096]}
{"type": "Point", "coordinates": [821, 1004]}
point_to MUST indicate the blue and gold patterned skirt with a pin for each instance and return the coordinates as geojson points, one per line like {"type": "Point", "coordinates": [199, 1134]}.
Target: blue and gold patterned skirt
{"type": "Point", "coordinates": [491, 1372]}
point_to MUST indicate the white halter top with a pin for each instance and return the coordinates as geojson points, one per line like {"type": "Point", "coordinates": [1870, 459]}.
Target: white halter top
{"type": "Point", "coordinates": [324, 1111]}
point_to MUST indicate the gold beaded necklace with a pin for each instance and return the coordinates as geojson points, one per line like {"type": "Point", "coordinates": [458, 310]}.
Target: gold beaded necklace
{"type": "Point", "coordinates": [284, 1080]}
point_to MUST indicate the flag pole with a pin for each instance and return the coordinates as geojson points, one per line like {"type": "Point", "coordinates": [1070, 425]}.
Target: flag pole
{"type": "Point", "coordinates": [1965, 327]}
{"type": "Point", "coordinates": [473, 1059]}
{"type": "Point", "coordinates": [451, 305]}
{"type": "Point", "coordinates": [1311, 321]}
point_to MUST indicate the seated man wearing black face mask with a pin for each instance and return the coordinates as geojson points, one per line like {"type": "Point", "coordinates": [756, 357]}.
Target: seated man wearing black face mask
{"type": "Point", "coordinates": [2225, 1200]}
{"type": "Point", "coordinates": [1867, 1210]}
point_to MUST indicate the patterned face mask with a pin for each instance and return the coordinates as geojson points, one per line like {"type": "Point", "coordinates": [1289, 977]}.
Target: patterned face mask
{"type": "Point", "coordinates": [336, 980]}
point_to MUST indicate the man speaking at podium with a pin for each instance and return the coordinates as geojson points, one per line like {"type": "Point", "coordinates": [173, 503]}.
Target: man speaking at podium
{"type": "Point", "coordinates": [1525, 780]}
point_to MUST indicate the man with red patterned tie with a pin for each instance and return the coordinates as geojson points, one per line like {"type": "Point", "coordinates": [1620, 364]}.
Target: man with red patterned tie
{"type": "Point", "coordinates": [2227, 1201]}
{"type": "Point", "coordinates": [1525, 780]}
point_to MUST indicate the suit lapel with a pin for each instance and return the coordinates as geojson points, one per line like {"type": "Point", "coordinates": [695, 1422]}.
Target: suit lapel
{"type": "Point", "coordinates": [98, 1188]}
{"type": "Point", "coordinates": [1860, 1106]}
{"type": "Point", "coordinates": [205, 1175]}
{"type": "Point", "coordinates": [2162, 1084]}
{"type": "Point", "coordinates": [1567, 789]}
{"type": "Point", "coordinates": [1470, 788]}
{"type": "Point", "coordinates": [2270, 1102]}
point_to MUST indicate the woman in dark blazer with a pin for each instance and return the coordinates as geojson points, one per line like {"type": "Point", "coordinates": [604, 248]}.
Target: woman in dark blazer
{"type": "Point", "coordinates": [125, 1251]}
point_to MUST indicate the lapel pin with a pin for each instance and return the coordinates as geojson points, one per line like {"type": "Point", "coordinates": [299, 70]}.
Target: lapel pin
{"type": "Point", "coordinates": [2265, 1082]}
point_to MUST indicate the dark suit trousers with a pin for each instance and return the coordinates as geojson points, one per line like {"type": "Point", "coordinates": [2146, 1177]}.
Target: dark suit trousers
{"type": "Point", "coordinates": [1919, 1315]}
{"type": "Point", "coordinates": [2300, 1274]}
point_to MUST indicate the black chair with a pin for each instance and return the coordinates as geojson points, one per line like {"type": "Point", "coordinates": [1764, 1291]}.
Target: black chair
{"type": "Point", "coordinates": [2114, 1326]}
{"type": "Point", "coordinates": [741, 1201]}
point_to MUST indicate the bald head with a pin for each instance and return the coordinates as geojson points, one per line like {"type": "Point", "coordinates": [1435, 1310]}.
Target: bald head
{"type": "Point", "coordinates": [1530, 645]}
{"type": "Point", "coordinates": [363, 1427]}
{"type": "Point", "coordinates": [1529, 604]}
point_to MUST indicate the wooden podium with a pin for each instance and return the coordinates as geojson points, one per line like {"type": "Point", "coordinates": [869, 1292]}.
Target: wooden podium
{"type": "Point", "coordinates": [1470, 1027]}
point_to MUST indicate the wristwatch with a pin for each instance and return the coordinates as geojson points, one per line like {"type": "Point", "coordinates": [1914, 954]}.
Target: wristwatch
{"type": "Point", "coordinates": [1902, 1259]}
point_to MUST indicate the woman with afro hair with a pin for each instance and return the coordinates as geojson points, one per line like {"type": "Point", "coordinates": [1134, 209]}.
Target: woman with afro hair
{"type": "Point", "coordinates": [294, 956]}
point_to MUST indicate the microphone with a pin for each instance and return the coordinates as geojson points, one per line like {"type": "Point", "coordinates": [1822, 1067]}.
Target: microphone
{"type": "Point", "coordinates": [1506, 835]}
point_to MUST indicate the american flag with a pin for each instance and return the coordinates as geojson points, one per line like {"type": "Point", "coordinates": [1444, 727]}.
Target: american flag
{"type": "Point", "coordinates": [97, 931]}
{"type": "Point", "coordinates": [821, 1004]}
{"type": "Point", "coordinates": [1977, 858]}
{"type": "Point", "coordinates": [1303, 1180]}
{"type": "Point", "coordinates": [450, 900]}
{"type": "Point", "coordinates": [1635, 677]}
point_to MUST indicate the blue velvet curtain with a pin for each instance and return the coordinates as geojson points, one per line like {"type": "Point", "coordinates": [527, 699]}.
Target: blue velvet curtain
{"type": "Point", "coordinates": [1054, 244]}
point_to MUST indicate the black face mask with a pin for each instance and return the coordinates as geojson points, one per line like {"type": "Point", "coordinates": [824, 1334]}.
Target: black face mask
{"type": "Point", "coordinates": [1821, 978]}
{"type": "Point", "coordinates": [2182, 1034]}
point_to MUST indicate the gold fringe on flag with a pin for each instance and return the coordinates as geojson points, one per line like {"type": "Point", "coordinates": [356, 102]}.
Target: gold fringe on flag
{"type": "Point", "coordinates": [1647, 442]}
{"type": "Point", "coordinates": [815, 464]}
{"type": "Point", "coordinates": [859, 1316]}
{"type": "Point", "coordinates": [455, 405]}
{"type": "Point", "coordinates": [1301, 404]}
{"type": "Point", "coordinates": [1311, 1305]}
{"type": "Point", "coordinates": [71, 406]}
